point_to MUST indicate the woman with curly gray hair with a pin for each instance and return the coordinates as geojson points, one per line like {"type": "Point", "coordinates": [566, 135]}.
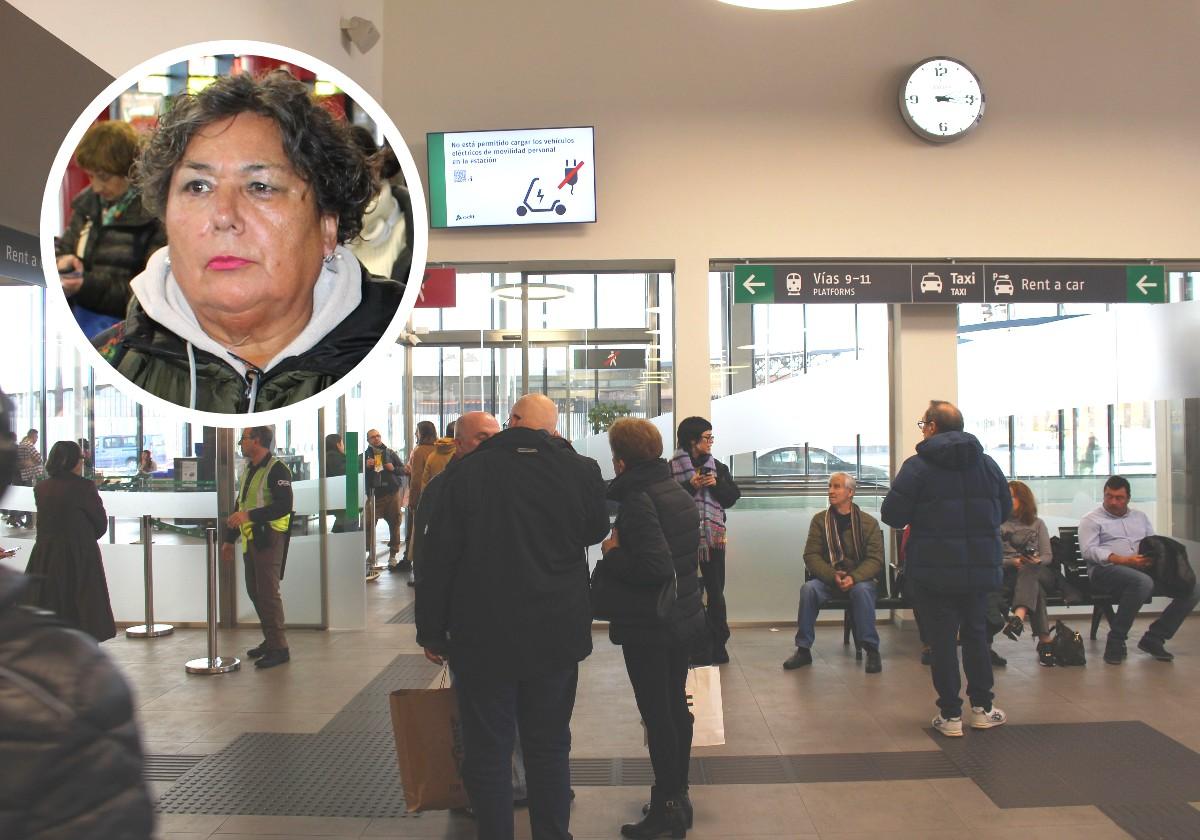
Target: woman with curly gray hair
{"type": "Point", "coordinates": [255, 303]}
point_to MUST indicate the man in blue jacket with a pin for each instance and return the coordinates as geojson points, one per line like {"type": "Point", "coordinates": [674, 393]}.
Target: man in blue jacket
{"type": "Point", "coordinates": [955, 498]}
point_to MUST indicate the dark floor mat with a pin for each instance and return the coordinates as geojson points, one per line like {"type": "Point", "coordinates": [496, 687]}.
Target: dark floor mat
{"type": "Point", "coordinates": [407, 614]}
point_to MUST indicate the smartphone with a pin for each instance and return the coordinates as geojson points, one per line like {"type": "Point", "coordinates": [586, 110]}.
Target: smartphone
{"type": "Point", "coordinates": [706, 471]}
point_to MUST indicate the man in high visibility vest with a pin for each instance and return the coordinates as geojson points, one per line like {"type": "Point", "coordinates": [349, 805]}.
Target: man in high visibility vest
{"type": "Point", "coordinates": [262, 518]}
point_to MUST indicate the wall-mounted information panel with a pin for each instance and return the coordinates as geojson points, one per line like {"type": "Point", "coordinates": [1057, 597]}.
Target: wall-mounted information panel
{"type": "Point", "coordinates": [994, 282]}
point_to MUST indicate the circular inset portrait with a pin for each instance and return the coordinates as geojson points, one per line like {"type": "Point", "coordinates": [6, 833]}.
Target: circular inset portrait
{"type": "Point", "coordinates": [234, 227]}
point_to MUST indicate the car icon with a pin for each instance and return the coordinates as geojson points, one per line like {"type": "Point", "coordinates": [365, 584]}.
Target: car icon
{"type": "Point", "coordinates": [794, 282]}
{"type": "Point", "coordinates": [931, 283]}
{"type": "Point", "coordinates": [1003, 285]}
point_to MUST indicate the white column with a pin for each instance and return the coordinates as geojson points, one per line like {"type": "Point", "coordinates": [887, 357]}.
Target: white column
{"type": "Point", "coordinates": [924, 367]}
{"type": "Point", "coordinates": [692, 390]}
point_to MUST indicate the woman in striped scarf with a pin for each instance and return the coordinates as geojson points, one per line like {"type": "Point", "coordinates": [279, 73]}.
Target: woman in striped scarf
{"type": "Point", "coordinates": [713, 488]}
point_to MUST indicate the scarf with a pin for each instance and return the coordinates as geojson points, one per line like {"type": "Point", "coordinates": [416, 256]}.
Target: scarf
{"type": "Point", "coordinates": [383, 236]}
{"type": "Point", "coordinates": [712, 515]}
{"type": "Point", "coordinates": [837, 554]}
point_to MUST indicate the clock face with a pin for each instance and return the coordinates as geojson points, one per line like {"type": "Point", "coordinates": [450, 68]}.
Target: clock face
{"type": "Point", "coordinates": [941, 100]}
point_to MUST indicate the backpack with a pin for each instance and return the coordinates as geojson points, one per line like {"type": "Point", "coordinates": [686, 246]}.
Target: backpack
{"type": "Point", "coordinates": [1067, 646]}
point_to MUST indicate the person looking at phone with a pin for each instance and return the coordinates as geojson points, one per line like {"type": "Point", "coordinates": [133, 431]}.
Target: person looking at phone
{"type": "Point", "coordinates": [110, 235]}
{"type": "Point", "coordinates": [1027, 573]}
{"type": "Point", "coordinates": [713, 489]}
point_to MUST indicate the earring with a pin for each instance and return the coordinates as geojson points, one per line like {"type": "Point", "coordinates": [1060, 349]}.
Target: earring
{"type": "Point", "coordinates": [331, 256]}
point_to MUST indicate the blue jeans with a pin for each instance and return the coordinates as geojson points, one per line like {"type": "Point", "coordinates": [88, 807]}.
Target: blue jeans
{"type": "Point", "coordinates": [491, 712]}
{"type": "Point", "coordinates": [1131, 588]}
{"type": "Point", "coordinates": [950, 618]}
{"type": "Point", "coordinates": [816, 592]}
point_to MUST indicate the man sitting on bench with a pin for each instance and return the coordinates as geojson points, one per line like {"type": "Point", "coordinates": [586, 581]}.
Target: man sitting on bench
{"type": "Point", "coordinates": [1109, 538]}
{"type": "Point", "coordinates": [844, 553]}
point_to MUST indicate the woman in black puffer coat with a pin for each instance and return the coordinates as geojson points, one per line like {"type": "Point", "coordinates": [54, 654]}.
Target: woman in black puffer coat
{"type": "Point", "coordinates": [656, 535]}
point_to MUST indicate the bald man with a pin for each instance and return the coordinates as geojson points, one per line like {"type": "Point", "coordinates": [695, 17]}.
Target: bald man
{"type": "Point", "coordinates": [503, 594]}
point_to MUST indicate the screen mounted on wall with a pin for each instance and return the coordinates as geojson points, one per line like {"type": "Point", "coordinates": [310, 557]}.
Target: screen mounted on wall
{"type": "Point", "coordinates": [532, 176]}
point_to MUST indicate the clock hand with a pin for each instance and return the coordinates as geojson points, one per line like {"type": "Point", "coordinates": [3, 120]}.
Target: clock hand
{"type": "Point", "coordinates": [944, 99]}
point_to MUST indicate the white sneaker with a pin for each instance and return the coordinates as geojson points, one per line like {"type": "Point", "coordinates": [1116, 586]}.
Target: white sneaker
{"type": "Point", "coordinates": [950, 727]}
{"type": "Point", "coordinates": [986, 720]}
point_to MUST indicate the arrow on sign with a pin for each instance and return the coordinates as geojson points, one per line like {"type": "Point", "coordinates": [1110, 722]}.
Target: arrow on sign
{"type": "Point", "coordinates": [1142, 285]}
{"type": "Point", "coordinates": [750, 285]}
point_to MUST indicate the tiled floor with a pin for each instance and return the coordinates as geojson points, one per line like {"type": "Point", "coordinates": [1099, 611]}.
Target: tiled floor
{"type": "Point", "coordinates": [832, 707]}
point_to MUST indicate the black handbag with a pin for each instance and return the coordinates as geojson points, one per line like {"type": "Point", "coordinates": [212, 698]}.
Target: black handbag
{"type": "Point", "coordinates": [1067, 646]}
{"type": "Point", "coordinates": [627, 603]}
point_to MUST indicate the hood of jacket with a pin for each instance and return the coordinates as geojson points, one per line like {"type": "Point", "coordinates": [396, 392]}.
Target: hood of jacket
{"type": "Point", "coordinates": [153, 356]}
{"type": "Point", "coordinates": [951, 450]}
{"type": "Point", "coordinates": [337, 293]}
{"type": "Point", "coordinates": [638, 476]}
{"type": "Point", "coordinates": [444, 446]}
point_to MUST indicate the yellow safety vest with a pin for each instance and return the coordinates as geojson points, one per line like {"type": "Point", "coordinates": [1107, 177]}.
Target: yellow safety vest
{"type": "Point", "coordinates": [258, 495]}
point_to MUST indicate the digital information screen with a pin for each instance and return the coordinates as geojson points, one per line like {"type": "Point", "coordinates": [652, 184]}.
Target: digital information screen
{"type": "Point", "coordinates": [531, 176]}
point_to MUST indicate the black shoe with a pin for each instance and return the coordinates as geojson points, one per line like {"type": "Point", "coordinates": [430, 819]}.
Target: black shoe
{"type": "Point", "coordinates": [1045, 653]}
{"type": "Point", "coordinates": [273, 657]}
{"type": "Point", "coordinates": [256, 652]}
{"type": "Point", "coordinates": [874, 664]}
{"type": "Point", "coordinates": [802, 657]}
{"type": "Point", "coordinates": [1154, 647]}
{"type": "Point", "coordinates": [926, 656]}
{"type": "Point", "coordinates": [402, 566]}
{"type": "Point", "coordinates": [720, 656]}
{"type": "Point", "coordinates": [998, 661]}
{"type": "Point", "coordinates": [412, 582]}
{"type": "Point", "coordinates": [1115, 652]}
{"type": "Point", "coordinates": [664, 817]}
{"type": "Point", "coordinates": [685, 802]}
{"type": "Point", "coordinates": [1014, 627]}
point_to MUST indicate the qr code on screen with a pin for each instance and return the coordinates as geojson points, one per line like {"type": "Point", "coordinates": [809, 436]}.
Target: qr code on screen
{"type": "Point", "coordinates": [460, 176]}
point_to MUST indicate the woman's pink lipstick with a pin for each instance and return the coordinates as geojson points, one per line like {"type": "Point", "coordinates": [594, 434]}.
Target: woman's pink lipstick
{"type": "Point", "coordinates": [226, 263]}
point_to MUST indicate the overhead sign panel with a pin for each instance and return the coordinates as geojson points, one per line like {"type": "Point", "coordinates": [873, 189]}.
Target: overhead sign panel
{"type": "Point", "coordinates": [949, 283]}
{"type": "Point", "coordinates": [609, 358]}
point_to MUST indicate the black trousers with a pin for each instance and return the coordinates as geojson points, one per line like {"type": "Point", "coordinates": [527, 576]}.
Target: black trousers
{"type": "Point", "coordinates": [712, 579]}
{"type": "Point", "coordinates": [658, 675]}
{"type": "Point", "coordinates": [491, 713]}
{"type": "Point", "coordinates": [950, 618]}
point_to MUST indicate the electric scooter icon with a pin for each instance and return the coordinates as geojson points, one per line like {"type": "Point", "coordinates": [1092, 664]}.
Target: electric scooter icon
{"type": "Point", "coordinates": [557, 206]}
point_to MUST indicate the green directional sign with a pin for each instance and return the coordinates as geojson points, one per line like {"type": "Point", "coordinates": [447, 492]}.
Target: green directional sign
{"type": "Point", "coordinates": [1145, 284]}
{"type": "Point", "coordinates": [754, 284]}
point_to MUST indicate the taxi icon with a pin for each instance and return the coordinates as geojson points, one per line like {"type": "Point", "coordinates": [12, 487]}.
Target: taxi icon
{"type": "Point", "coordinates": [931, 283]}
{"type": "Point", "coordinates": [1003, 285]}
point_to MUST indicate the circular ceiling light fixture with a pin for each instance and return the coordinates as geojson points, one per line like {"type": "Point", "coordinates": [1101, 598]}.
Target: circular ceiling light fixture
{"type": "Point", "coordinates": [784, 5]}
{"type": "Point", "coordinates": [537, 291]}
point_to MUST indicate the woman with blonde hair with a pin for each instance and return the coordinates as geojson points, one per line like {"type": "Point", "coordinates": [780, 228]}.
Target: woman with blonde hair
{"type": "Point", "coordinates": [1027, 573]}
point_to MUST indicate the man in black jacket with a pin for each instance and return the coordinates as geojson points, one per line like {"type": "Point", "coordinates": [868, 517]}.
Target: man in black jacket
{"type": "Point", "coordinates": [954, 497]}
{"type": "Point", "coordinates": [503, 594]}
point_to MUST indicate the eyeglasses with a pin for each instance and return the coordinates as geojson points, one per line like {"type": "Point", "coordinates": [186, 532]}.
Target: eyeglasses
{"type": "Point", "coordinates": [708, 438]}
{"type": "Point", "coordinates": [922, 423]}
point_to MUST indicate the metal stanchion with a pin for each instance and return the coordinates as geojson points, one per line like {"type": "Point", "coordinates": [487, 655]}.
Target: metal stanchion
{"type": "Point", "coordinates": [372, 570]}
{"type": "Point", "coordinates": [212, 664]}
{"type": "Point", "coordinates": [149, 629]}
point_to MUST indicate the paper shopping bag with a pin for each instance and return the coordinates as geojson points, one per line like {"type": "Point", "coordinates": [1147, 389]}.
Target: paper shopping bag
{"type": "Point", "coordinates": [704, 699]}
{"type": "Point", "coordinates": [429, 747]}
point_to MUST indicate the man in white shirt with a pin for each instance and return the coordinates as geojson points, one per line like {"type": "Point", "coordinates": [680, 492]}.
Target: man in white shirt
{"type": "Point", "coordinates": [1109, 540]}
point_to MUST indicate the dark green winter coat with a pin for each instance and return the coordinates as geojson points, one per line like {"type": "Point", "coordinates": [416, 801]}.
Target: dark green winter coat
{"type": "Point", "coordinates": [155, 359]}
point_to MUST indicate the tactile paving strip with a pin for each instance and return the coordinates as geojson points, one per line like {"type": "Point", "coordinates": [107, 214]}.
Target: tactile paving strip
{"type": "Point", "coordinates": [1156, 821]}
{"type": "Point", "coordinates": [368, 710]}
{"type": "Point", "coordinates": [303, 775]}
{"type": "Point", "coordinates": [1137, 776]}
{"type": "Point", "coordinates": [168, 768]}
{"type": "Point", "coordinates": [407, 615]}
